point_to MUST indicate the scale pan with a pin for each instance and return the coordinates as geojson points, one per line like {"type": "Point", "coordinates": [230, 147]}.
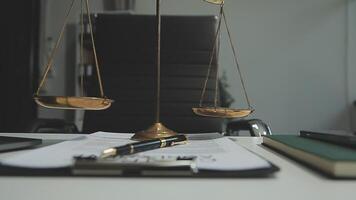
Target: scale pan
{"type": "Point", "coordinates": [73, 103]}
{"type": "Point", "coordinates": [222, 112]}
{"type": "Point", "coordinates": [217, 2]}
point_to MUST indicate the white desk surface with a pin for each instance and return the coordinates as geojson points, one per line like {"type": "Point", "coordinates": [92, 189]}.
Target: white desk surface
{"type": "Point", "coordinates": [293, 181]}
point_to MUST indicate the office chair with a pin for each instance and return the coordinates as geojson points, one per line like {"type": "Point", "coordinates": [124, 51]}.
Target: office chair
{"type": "Point", "coordinates": [126, 47]}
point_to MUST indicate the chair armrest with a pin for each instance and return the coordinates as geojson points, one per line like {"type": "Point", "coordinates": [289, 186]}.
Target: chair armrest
{"type": "Point", "coordinates": [256, 127]}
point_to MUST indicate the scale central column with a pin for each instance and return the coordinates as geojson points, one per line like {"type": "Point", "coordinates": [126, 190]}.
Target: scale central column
{"type": "Point", "coordinates": [157, 130]}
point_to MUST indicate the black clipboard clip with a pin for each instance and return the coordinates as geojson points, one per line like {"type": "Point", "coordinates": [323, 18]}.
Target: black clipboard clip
{"type": "Point", "coordinates": [134, 166]}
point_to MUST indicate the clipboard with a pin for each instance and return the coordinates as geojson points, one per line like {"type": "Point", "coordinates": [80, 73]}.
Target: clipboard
{"type": "Point", "coordinates": [14, 143]}
{"type": "Point", "coordinates": [99, 168]}
{"type": "Point", "coordinates": [219, 157]}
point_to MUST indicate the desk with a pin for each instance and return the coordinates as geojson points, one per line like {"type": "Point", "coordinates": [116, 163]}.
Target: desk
{"type": "Point", "coordinates": [294, 181]}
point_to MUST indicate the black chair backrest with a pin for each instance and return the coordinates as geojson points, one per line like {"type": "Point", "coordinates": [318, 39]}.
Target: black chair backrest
{"type": "Point", "coordinates": [51, 126]}
{"type": "Point", "coordinates": [126, 45]}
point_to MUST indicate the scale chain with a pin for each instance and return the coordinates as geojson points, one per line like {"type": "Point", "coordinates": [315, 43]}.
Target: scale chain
{"type": "Point", "coordinates": [94, 51]}
{"type": "Point", "coordinates": [50, 60]}
{"type": "Point", "coordinates": [81, 68]}
{"type": "Point", "coordinates": [235, 58]}
{"type": "Point", "coordinates": [211, 60]}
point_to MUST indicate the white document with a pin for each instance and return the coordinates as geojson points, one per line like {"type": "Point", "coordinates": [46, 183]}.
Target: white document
{"type": "Point", "coordinates": [215, 154]}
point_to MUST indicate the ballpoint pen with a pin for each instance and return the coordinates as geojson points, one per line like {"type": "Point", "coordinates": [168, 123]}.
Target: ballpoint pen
{"type": "Point", "coordinates": [144, 146]}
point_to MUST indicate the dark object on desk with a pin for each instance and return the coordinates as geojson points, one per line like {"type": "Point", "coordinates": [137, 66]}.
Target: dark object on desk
{"type": "Point", "coordinates": [343, 138]}
{"type": "Point", "coordinates": [146, 145]}
{"type": "Point", "coordinates": [333, 160]}
{"type": "Point", "coordinates": [14, 143]}
{"type": "Point", "coordinates": [107, 167]}
{"type": "Point", "coordinates": [181, 167]}
{"type": "Point", "coordinates": [256, 127]}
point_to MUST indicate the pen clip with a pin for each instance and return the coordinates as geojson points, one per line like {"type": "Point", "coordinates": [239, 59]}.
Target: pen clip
{"type": "Point", "coordinates": [85, 158]}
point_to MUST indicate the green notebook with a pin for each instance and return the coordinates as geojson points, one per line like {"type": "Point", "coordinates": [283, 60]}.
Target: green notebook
{"type": "Point", "coordinates": [334, 160]}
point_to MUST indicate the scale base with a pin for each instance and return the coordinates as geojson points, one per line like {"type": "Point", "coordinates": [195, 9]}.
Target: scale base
{"type": "Point", "coordinates": [157, 130]}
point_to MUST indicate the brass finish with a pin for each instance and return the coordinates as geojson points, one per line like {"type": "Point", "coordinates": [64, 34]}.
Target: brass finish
{"type": "Point", "coordinates": [132, 149]}
{"type": "Point", "coordinates": [73, 102]}
{"type": "Point", "coordinates": [76, 103]}
{"type": "Point", "coordinates": [157, 130]}
{"type": "Point", "coordinates": [163, 143]}
{"type": "Point", "coordinates": [215, 111]}
{"type": "Point", "coordinates": [217, 2]}
{"type": "Point", "coordinates": [222, 112]}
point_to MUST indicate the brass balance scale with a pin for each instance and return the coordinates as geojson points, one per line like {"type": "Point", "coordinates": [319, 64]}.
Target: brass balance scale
{"type": "Point", "coordinates": [157, 130]}
{"type": "Point", "coordinates": [215, 111]}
